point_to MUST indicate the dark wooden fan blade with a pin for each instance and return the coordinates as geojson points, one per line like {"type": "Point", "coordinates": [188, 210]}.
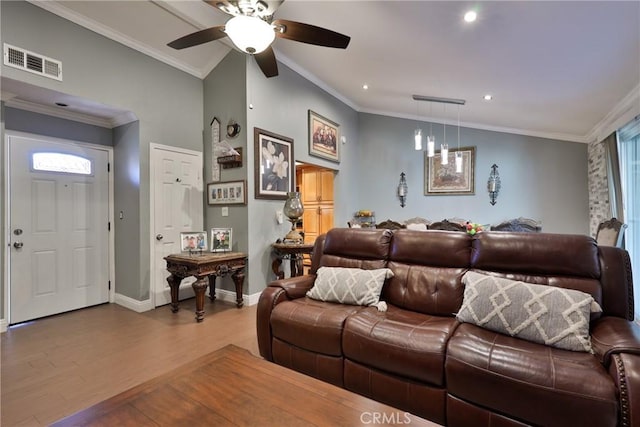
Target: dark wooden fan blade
{"type": "Point", "coordinates": [267, 62]}
{"type": "Point", "coordinates": [310, 34]}
{"type": "Point", "coordinates": [199, 37]}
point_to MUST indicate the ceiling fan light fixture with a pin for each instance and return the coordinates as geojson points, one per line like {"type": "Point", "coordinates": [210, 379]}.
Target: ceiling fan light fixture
{"type": "Point", "coordinates": [250, 34]}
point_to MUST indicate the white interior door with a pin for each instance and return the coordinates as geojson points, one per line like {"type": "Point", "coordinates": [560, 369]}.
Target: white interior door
{"type": "Point", "coordinates": [177, 206]}
{"type": "Point", "coordinates": [59, 219]}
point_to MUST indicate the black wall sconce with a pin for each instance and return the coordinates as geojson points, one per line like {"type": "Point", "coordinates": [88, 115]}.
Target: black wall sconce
{"type": "Point", "coordinates": [402, 190]}
{"type": "Point", "coordinates": [493, 184]}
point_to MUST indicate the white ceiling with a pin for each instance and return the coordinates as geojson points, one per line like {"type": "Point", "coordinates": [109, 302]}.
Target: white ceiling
{"type": "Point", "coordinates": [555, 69]}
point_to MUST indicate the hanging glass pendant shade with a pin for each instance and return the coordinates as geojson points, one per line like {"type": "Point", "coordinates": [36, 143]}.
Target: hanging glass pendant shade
{"type": "Point", "coordinates": [418, 140]}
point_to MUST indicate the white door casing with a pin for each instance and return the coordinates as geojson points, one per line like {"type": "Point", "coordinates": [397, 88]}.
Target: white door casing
{"type": "Point", "coordinates": [60, 257]}
{"type": "Point", "coordinates": [176, 206]}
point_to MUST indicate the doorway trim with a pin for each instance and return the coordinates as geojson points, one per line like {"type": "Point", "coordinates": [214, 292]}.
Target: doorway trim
{"type": "Point", "coordinates": [4, 322]}
{"type": "Point", "coordinates": [152, 169]}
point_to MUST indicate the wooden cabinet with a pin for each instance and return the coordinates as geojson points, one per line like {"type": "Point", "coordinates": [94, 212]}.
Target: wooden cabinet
{"type": "Point", "coordinates": [316, 187]}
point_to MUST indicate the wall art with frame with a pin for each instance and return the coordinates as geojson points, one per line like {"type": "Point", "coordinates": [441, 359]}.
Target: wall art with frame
{"type": "Point", "coordinates": [273, 172]}
{"type": "Point", "coordinates": [221, 239]}
{"type": "Point", "coordinates": [442, 179]}
{"type": "Point", "coordinates": [324, 137]}
{"type": "Point", "coordinates": [227, 193]}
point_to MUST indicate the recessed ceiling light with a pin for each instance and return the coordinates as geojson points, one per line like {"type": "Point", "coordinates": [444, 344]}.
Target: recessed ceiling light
{"type": "Point", "coordinates": [470, 16]}
{"type": "Point", "coordinates": [365, 86]}
{"type": "Point", "coordinates": [488, 97]}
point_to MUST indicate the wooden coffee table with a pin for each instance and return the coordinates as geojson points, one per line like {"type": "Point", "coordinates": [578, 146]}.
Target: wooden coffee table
{"type": "Point", "coordinates": [232, 387]}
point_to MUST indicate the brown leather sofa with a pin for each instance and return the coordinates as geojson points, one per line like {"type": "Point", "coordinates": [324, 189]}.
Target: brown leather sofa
{"type": "Point", "coordinates": [418, 358]}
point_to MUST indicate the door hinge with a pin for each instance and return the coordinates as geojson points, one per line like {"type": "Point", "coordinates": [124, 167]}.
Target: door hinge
{"type": "Point", "coordinates": [109, 226]}
{"type": "Point", "coordinates": [109, 284]}
{"type": "Point", "coordinates": [108, 167]}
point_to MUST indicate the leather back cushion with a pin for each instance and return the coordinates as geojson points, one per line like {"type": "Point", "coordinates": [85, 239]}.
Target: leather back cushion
{"type": "Point", "coordinates": [428, 267]}
{"type": "Point", "coordinates": [560, 260]}
{"type": "Point", "coordinates": [356, 248]}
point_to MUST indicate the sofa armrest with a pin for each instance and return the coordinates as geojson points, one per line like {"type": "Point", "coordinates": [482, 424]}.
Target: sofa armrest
{"type": "Point", "coordinates": [614, 335]}
{"type": "Point", "coordinates": [625, 371]}
{"type": "Point", "coordinates": [275, 293]}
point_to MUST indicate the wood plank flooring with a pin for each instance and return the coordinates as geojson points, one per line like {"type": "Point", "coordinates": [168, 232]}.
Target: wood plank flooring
{"type": "Point", "coordinates": [54, 367]}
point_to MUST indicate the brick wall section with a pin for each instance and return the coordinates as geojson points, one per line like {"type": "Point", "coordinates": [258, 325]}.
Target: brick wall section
{"type": "Point", "coordinates": [598, 186]}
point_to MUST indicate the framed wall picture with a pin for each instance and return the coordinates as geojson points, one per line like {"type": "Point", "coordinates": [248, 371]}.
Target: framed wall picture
{"type": "Point", "coordinates": [193, 241]}
{"type": "Point", "coordinates": [273, 173]}
{"type": "Point", "coordinates": [323, 137]}
{"type": "Point", "coordinates": [227, 193]}
{"type": "Point", "coordinates": [442, 179]}
{"type": "Point", "coordinates": [221, 239]}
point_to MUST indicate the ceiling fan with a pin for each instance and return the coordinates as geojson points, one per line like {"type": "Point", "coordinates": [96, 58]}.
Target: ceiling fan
{"type": "Point", "coordinates": [253, 29]}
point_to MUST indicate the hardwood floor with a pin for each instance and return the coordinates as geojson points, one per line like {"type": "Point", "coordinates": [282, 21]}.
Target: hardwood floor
{"type": "Point", "coordinates": [56, 366]}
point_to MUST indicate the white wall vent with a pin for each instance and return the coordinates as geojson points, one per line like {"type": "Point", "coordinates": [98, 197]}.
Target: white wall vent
{"type": "Point", "coordinates": [33, 62]}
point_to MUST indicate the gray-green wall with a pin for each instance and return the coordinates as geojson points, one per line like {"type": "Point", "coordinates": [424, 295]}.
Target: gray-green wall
{"type": "Point", "coordinates": [225, 99]}
{"type": "Point", "coordinates": [167, 102]}
{"type": "Point", "coordinates": [541, 179]}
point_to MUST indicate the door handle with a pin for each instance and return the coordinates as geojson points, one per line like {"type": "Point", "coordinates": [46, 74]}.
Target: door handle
{"type": "Point", "coordinates": [159, 237]}
{"type": "Point", "coordinates": [18, 245]}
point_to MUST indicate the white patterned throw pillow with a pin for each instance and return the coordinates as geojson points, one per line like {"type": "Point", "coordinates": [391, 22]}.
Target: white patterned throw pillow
{"type": "Point", "coordinates": [544, 314]}
{"type": "Point", "coordinates": [353, 286]}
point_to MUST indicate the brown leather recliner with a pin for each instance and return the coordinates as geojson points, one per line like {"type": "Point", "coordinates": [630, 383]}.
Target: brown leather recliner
{"type": "Point", "coordinates": [417, 357]}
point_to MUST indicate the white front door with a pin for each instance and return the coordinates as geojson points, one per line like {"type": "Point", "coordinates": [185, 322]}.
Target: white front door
{"type": "Point", "coordinates": [59, 227]}
{"type": "Point", "coordinates": [176, 206]}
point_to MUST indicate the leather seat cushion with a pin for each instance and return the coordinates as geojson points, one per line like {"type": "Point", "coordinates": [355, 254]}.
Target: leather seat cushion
{"type": "Point", "coordinates": [507, 375]}
{"type": "Point", "coordinates": [400, 342]}
{"type": "Point", "coordinates": [311, 325]}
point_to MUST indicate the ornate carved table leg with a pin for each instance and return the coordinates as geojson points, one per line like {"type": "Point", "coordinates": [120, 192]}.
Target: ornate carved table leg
{"type": "Point", "coordinates": [212, 287]}
{"type": "Point", "coordinates": [238, 279]}
{"type": "Point", "coordinates": [275, 266]}
{"type": "Point", "coordinates": [174, 284]}
{"type": "Point", "coordinates": [199, 287]}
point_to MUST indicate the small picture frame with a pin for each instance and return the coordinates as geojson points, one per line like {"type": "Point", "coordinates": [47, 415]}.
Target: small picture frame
{"type": "Point", "coordinates": [221, 239]}
{"type": "Point", "coordinates": [227, 193]}
{"type": "Point", "coordinates": [193, 241]}
{"type": "Point", "coordinates": [324, 137]}
{"type": "Point", "coordinates": [442, 179]}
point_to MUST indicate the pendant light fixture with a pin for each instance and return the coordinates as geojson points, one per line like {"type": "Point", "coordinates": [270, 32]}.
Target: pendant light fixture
{"type": "Point", "coordinates": [417, 145]}
{"type": "Point", "coordinates": [444, 147]}
{"type": "Point", "coordinates": [458, 159]}
{"type": "Point", "coordinates": [431, 141]}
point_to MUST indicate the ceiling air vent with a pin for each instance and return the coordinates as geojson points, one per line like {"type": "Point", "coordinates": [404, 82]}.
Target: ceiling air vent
{"type": "Point", "coordinates": [33, 62]}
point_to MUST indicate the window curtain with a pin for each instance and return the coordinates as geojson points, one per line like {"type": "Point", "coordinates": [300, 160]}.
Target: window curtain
{"type": "Point", "coordinates": [613, 176]}
{"type": "Point", "coordinates": [629, 150]}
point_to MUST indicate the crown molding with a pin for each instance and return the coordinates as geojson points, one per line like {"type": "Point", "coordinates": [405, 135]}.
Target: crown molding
{"type": "Point", "coordinates": [68, 14]}
{"type": "Point", "coordinates": [62, 113]}
{"type": "Point", "coordinates": [621, 114]}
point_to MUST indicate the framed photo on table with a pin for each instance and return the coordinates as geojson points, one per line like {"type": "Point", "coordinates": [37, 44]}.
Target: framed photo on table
{"type": "Point", "coordinates": [227, 193]}
{"type": "Point", "coordinates": [442, 179]}
{"type": "Point", "coordinates": [221, 239]}
{"type": "Point", "coordinates": [192, 241]}
{"type": "Point", "coordinates": [273, 165]}
{"type": "Point", "coordinates": [324, 137]}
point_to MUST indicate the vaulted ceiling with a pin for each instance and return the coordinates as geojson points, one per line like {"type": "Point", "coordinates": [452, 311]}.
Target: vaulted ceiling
{"type": "Point", "coordinates": [555, 69]}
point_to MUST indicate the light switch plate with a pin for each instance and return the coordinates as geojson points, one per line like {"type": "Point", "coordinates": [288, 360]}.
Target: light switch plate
{"type": "Point", "coordinates": [225, 211]}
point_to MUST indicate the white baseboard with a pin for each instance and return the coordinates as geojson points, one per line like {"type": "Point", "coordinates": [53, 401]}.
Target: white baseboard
{"type": "Point", "coordinates": [133, 304]}
{"type": "Point", "coordinates": [230, 296]}
{"type": "Point", "coordinates": [3, 325]}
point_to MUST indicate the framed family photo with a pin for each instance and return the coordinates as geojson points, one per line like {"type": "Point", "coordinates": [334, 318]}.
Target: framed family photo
{"type": "Point", "coordinates": [192, 241]}
{"type": "Point", "coordinates": [227, 193]}
{"type": "Point", "coordinates": [442, 179]}
{"type": "Point", "coordinates": [221, 239]}
{"type": "Point", "coordinates": [324, 137]}
{"type": "Point", "coordinates": [273, 165]}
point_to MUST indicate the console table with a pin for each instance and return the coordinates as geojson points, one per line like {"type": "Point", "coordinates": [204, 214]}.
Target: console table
{"type": "Point", "coordinates": [205, 268]}
{"type": "Point", "coordinates": [293, 252]}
